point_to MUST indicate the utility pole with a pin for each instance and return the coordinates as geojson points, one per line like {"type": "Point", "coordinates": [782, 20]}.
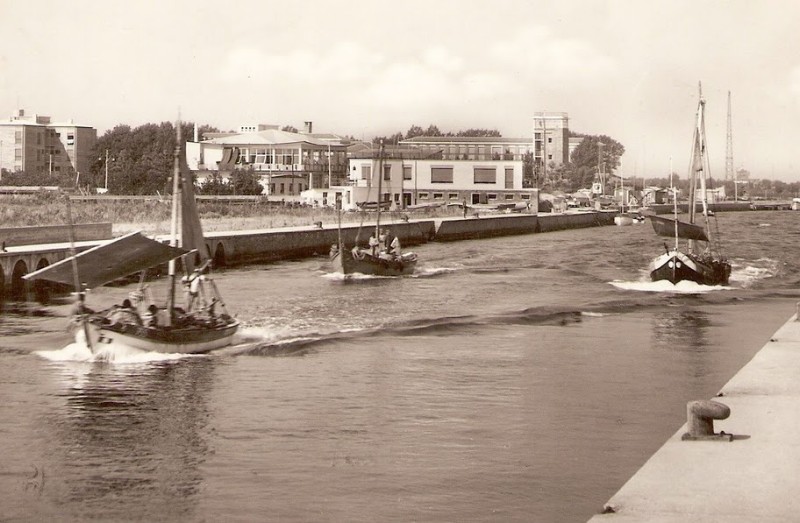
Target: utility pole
{"type": "Point", "coordinates": [106, 184]}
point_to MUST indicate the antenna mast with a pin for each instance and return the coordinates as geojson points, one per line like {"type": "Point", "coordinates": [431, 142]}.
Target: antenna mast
{"type": "Point", "coordinates": [730, 172]}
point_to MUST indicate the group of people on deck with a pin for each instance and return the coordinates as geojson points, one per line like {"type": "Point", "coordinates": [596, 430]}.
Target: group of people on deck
{"type": "Point", "coordinates": [385, 245]}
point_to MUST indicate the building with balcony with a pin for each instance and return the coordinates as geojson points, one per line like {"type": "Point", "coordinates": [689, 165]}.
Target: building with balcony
{"type": "Point", "coordinates": [287, 162]}
{"type": "Point", "coordinates": [36, 144]}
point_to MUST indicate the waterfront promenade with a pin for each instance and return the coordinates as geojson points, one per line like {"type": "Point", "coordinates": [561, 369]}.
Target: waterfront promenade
{"type": "Point", "coordinates": [754, 477]}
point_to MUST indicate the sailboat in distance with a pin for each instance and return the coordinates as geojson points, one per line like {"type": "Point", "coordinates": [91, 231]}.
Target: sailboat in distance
{"type": "Point", "coordinates": [200, 325]}
{"type": "Point", "coordinates": [701, 261]}
{"type": "Point", "coordinates": [378, 259]}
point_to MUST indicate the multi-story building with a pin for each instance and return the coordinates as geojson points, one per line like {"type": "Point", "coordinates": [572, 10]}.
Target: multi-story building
{"type": "Point", "coordinates": [412, 177]}
{"type": "Point", "coordinates": [551, 140]}
{"type": "Point", "coordinates": [35, 144]}
{"type": "Point", "coordinates": [287, 162]}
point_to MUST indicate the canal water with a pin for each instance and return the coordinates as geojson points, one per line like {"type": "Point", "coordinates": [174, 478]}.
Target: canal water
{"type": "Point", "coordinates": [523, 378]}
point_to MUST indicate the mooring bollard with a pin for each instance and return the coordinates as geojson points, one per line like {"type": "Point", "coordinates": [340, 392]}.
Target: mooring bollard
{"type": "Point", "coordinates": [700, 416]}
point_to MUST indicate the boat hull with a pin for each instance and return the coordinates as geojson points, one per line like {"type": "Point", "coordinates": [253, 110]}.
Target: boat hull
{"type": "Point", "coordinates": [346, 262]}
{"type": "Point", "coordinates": [676, 266]}
{"type": "Point", "coordinates": [192, 339]}
{"type": "Point", "coordinates": [622, 219]}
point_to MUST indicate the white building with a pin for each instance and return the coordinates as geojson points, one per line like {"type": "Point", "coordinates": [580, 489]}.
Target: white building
{"type": "Point", "coordinates": [287, 162]}
{"type": "Point", "coordinates": [410, 182]}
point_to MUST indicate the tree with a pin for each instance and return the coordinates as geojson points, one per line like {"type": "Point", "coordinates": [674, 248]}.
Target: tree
{"type": "Point", "coordinates": [589, 157]}
{"type": "Point", "coordinates": [480, 133]}
{"type": "Point", "coordinates": [215, 185]}
{"type": "Point", "coordinates": [245, 181]}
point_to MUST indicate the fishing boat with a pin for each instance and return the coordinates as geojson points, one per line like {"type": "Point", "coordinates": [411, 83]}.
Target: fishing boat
{"type": "Point", "coordinates": [701, 261]}
{"type": "Point", "coordinates": [201, 325]}
{"type": "Point", "coordinates": [378, 259]}
{"type": "Point", "coordinates": [623, 217]}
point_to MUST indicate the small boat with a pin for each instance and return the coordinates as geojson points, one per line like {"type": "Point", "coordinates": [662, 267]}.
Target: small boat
{"type": "Point", "coordinates": [203, 324]}
{"type": "Point", "coordinates": [701, 261]}
{"type": "Point", "coordinates": [623, 217]}
{"type": "Point", "coordinates": [378, 259]}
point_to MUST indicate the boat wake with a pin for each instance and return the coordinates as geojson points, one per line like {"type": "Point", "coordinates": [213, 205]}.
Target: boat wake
{"type": "Point", "coordinates": [682, 287]}
{"type": "Point", "coordinates": [754, 271]}
{"type": "Point", "coordinates": [422, 272]}
{"type": "Point", "coordinates": [79, 351]}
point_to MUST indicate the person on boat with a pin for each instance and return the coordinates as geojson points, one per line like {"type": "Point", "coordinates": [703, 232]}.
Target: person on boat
{"type": "Point", "coordinates": [150, 317]}
{"type": "Point", "coordinates": [124, 313]}
{"type": "Point", "coordinates": [394, 247]}
{"type": "Point", "coordinates": [192, 288]}
{"type": "Point", "coordinates": [382, 239]}
{"type": "Point", "coordinates": [388, 238]}
{"type": "Point", "coordinates": [373, 244]}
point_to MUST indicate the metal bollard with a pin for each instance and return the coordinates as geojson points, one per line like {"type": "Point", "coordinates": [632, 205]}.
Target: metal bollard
{"type": "Point", "coordinates": [700, 416]}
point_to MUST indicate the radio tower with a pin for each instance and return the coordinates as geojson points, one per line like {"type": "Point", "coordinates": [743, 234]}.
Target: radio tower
{"type": "Point", "coordinates": [729, 174]}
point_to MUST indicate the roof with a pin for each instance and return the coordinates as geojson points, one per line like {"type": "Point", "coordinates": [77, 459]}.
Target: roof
{"type": "Point", "coordinates": [268, 137]}
{"type": "Point", "coordinates": [466, 139]}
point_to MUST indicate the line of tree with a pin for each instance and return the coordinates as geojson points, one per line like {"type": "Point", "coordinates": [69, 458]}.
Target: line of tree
{"type": "Point", "coordinates": [434, 131]}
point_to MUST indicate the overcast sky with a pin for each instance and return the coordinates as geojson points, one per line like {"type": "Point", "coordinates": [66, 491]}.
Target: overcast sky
{"type": "Point", "coordinates": [627, 69]}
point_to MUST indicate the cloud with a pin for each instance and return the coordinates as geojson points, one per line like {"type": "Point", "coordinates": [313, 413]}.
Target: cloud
{"type": "Point", "coordinates": [536, 51]}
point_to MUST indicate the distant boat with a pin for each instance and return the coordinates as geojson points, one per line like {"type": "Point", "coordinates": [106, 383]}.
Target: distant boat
{"type": "Point", "coordinates": [201, 326]}
{"type": "Point", "coordinates": [700, 262]}
{"type": "Point", "coordinates": [377, 259]}
{"type": "Point", "coordinates": [623, 218]}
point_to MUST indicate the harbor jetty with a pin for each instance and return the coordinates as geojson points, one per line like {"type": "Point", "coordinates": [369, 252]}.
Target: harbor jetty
{"type": "Point", "coordinates": [31, 252]}
{"type": "Point", "coordinates": [740, 462]}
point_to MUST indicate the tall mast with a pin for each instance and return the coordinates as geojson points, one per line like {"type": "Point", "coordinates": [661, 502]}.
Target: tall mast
{"type": "Point", "coordinates": [176, 188]}
{"type": "Point", "coordinates": [730, 173]}
{"type": "Point", "coordinates": [380, 195]}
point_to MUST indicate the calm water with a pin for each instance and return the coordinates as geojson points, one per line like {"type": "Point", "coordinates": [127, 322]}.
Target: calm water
{"type": "Point", "coordinates": [516, 379]}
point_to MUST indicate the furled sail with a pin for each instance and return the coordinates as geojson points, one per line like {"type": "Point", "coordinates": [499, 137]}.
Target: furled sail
{"type": "Point", "coordinates": [687, 231]}
{"type": "Point", "coordinates": [109, 261]}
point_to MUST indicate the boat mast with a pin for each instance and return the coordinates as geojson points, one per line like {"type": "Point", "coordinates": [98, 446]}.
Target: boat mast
{"type": "Point", "coordinates": [176, 188]}
{"type": "Point", "coordinates": [380, 195]}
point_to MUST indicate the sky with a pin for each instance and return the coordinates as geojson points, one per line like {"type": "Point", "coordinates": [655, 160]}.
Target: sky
{"type": "Point", "coordinates": [628, 69]}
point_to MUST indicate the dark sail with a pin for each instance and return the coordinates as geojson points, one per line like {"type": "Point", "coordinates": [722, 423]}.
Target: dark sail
{"type": "Point", "coordinates": [687, 231]}
{"type": "Point", "coordinates": [191, 230]}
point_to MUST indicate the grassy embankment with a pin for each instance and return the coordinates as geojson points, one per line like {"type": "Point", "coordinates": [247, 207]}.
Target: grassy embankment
{"type": "Point", "coordinates": [153, 216]}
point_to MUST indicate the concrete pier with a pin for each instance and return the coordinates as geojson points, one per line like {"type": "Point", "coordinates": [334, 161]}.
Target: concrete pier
{"type": "Point", "coordinates": [751, 477]}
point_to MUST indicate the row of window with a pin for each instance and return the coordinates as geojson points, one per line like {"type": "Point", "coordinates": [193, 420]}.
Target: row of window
{"type": "Point", "coordinates": [444, 174]}
{"type": "Point", "coordinates": [454, 196]}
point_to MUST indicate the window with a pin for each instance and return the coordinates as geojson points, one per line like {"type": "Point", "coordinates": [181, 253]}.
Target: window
{"type": "Point", "coordinates": [365, 172]}
{"type": "Point", "coordinates": [17, 136]}
{"type": "Point", "coordinates": [387, 172]}
{"type": "Point", "coordinates": [491, 196]}
{"type": "Point", "coordinates": [509, 196]}
{"type": "Point", "coordinates": [549, 139]}
{"type": "Point", "coordinates": [442, 174]}
{"type": "Point", "coordinates": [453, 196]}
{"type": "Point", "coordinates": [423, 196]}
{"type": "Point", "coordinates": [71, 139]}
{"type": "Point", "coordinates": [509, 177]}
{"type": "Point", "coordinates": [406, 172]}
{"type": "Point", "coordinates": [549, 156]}
{"type": "Point", "coordinates": [18, 154]}
{"type": "Point", "coordinates": [526, 196]}
{"type": "Point", "coordinates": [438, 196]}
{"type": "Point", "coordinates": [485, 175]}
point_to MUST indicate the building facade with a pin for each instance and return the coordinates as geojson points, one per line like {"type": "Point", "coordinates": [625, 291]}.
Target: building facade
{"type": "Point", "coordinates": [287, 163]}
{"type": "Point", "coordinates": [551, 139]}
{"type": "Point", "coordinates": [35, 144]}
{"type": "Point", "coordinates": [408, 182]}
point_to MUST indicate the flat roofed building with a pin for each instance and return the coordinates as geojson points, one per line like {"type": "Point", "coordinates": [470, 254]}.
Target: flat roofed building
{"type": "Point", "coordinates": [287, 162]}
{"type": "Point", "coordinates": [34, 143]}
